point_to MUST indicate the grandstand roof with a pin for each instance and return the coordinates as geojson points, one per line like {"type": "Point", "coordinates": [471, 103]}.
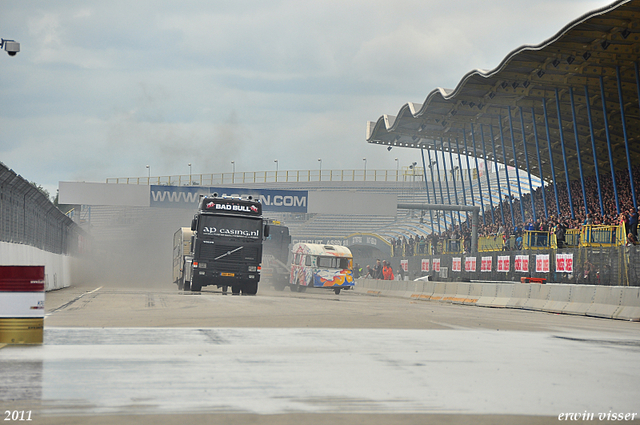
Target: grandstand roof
{"type": "Point", "coordinates": [595, 47]}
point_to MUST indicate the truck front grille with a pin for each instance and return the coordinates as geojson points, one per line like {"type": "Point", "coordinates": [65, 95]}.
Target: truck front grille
{"type": "Point", "coordinates": [231, 262]}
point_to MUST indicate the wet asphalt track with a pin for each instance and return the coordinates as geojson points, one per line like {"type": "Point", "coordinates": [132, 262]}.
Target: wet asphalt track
{"type": "Point", "coordinates": [540, 366]}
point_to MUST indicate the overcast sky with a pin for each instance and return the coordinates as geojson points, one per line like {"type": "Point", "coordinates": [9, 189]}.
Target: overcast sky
{"type": "Point", "coordinates": [103, 88]}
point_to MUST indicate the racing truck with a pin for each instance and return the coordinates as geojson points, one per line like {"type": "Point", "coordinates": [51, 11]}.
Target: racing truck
{"type": "Point", "coordinates": [226, 249]}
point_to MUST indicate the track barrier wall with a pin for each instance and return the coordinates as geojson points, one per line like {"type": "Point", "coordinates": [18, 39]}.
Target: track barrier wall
{"type": "Point", "coordinates": [33, 231]}
{"type": "Point", "coordinates": [613, 302]}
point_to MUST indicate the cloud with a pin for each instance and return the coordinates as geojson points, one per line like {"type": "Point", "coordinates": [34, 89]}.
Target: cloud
{"type": "Point", "coordinates": [101, 89]}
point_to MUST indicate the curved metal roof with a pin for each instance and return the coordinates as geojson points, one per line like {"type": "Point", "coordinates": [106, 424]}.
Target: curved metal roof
{"type": "Point", "coordinates": [595, 47]}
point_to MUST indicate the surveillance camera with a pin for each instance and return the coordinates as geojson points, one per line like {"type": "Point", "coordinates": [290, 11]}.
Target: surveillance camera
{"type": "Point", "coordinates": [11, 47]}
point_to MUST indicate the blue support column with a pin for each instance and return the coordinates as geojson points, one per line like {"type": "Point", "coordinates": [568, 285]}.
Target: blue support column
{"type": "Point", "coordinates": [426, 184]}
{"type": "Point", "coordinates": [575, 134]}
{"type": "Point", "coordinates": [446, 179]}
{"type": "Point", "coordinates": [444, 215]}
{"type": "Point", "coordinates": [486, 170]}
{"type": "Point", "coordinates": [466, 152]}
{"type": "Point", "coordinates": [564, 154]}
{"type": "Point", "coordinates": [495, 165]}
{"type": "Point", "coordinates": [526, 159]}
{"type": "Point", "coordinates": [553, 169]}
{"type": "Point", "coordinates": [606, 130]}
{"type": "Point", "coordinates": [453, 177]}
{"type": "Point", "coordinates": [626, 138]}
{"type": "Point", "coordinates": [434, 187]}
{"type": "Point", "coordinates": [475, 154]}
{"type": "Point", "coordinates": [535, 135]}
{"type": "Point", "coordinates": [593, 147]}
{"type": "Point", "coordinates": [464, 192]}
{"type": "Point", "coordinates": [515, 163]}
{"type": "Point", "coordinates": [506, 170]}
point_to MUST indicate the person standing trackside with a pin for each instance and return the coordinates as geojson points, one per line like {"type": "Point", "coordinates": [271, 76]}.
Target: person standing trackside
{"type": "Point", "coordinates": [387, 271]}
{"type": "Point", "coordinates": [378, 271]}
{"type": "Point", "coordinates": [633, 222]}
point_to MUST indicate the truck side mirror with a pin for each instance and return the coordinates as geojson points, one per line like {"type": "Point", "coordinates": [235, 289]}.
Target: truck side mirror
{"type": "Point", "coordinates": [194, 224]}
{"type": "Point", "coordinates": [266, 231]}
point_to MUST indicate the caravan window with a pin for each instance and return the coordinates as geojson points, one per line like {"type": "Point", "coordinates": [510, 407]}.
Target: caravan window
{"type": "Point", "coordinates": [333, 262]}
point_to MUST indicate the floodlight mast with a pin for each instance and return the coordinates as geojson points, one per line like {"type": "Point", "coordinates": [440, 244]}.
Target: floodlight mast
{"type": "Point", "coordinates": [10, 46]}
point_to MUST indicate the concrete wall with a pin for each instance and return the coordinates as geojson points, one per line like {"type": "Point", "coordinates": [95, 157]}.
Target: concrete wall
{"type": "Point", "coordinates": [57, 267]}
{"type": "Point", "coordinates": [611, 302]}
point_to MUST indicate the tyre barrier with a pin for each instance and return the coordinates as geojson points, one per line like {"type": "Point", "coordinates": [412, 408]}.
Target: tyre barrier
{"type": "Point", "coordinates": [614, 302]}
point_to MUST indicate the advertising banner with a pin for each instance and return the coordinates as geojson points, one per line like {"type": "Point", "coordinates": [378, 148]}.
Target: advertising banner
{"type": "Point", "coordinates": [486, 264]}
{"type": "Point", "coordinates": [436, 265]}
{"type": "Point", "coordinates": [522, 263]}
{"type": "Point", "coordinates": [188, 196]}
{"type": "Point", "coordinates": [405, 265]}
{"type": "Point", "coordinates": [470, 264]}
{"type": "Point", "coordinates": [425, 265]}
{"type": "Point", "coordinates": [504, 263]}
{"type": "Point", "coordinates": [542, 263]}
{"type": "Point", "coordinates": [564, 263]}
{"type": "Point", "coordinates": [456, 264]}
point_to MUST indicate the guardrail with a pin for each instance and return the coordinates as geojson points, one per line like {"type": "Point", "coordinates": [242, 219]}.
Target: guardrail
{"type": "Point", "coordinates": [285, 176]}
{"type": "Point", "coordinates": [404, 174]}
{"type": "Point", "coordinates": [602, 236]}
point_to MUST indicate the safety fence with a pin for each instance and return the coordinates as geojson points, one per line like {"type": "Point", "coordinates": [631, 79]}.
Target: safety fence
{"type": "Point", "coordinates": [616, 265]}
{"type": "Point", "coordinates": [28, 217]}
{"type": "Point", "coordinates": [444, 246]}
{"type": "Point", "coordinates": [586, 236]}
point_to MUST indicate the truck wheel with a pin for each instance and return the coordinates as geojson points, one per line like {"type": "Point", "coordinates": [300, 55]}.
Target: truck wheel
{"type": "Point", "coordinates": [180, 284]}
{"type": "Point", "coordinates": [251, 288]}
{"type": "Point", "coordinates": [186, 286]}
{"type": "Point", "coordinates": [235, 290]}
{"type": "Point", "coordinates": [279, 287]}
{"type": "Point", "coordinates": [301, 288]}
{"type": "Point", "coordinates": [337, 291]}
{"type": "Point", "coordinates": [196, 287]}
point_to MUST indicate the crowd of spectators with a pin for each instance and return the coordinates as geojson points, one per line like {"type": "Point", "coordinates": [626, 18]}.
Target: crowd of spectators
{"type": "Point", "coordinates": [557, 219]}
{"type": "Point", "coordinates": [433, 243]}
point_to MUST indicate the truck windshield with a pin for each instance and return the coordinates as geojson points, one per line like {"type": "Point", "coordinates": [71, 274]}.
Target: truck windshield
{"type": "Point", "coordinates": [231, 227]}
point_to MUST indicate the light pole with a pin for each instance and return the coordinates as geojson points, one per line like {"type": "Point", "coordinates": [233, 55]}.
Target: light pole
{"type": "Point", "coordinates": [365, 168]}
{"type": "Point", "coordinates": [233, 174]}
{"type": "Point", "coordinates": [397, 169]}
{"type": "Point", "coordinates": [148, 175]}
{"type": "Point", "coordinates": [320, 161]}
{"type": "Point", "coordinates": [189, 174]}
{"type": "Point", "coordinates": [276, 161]}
